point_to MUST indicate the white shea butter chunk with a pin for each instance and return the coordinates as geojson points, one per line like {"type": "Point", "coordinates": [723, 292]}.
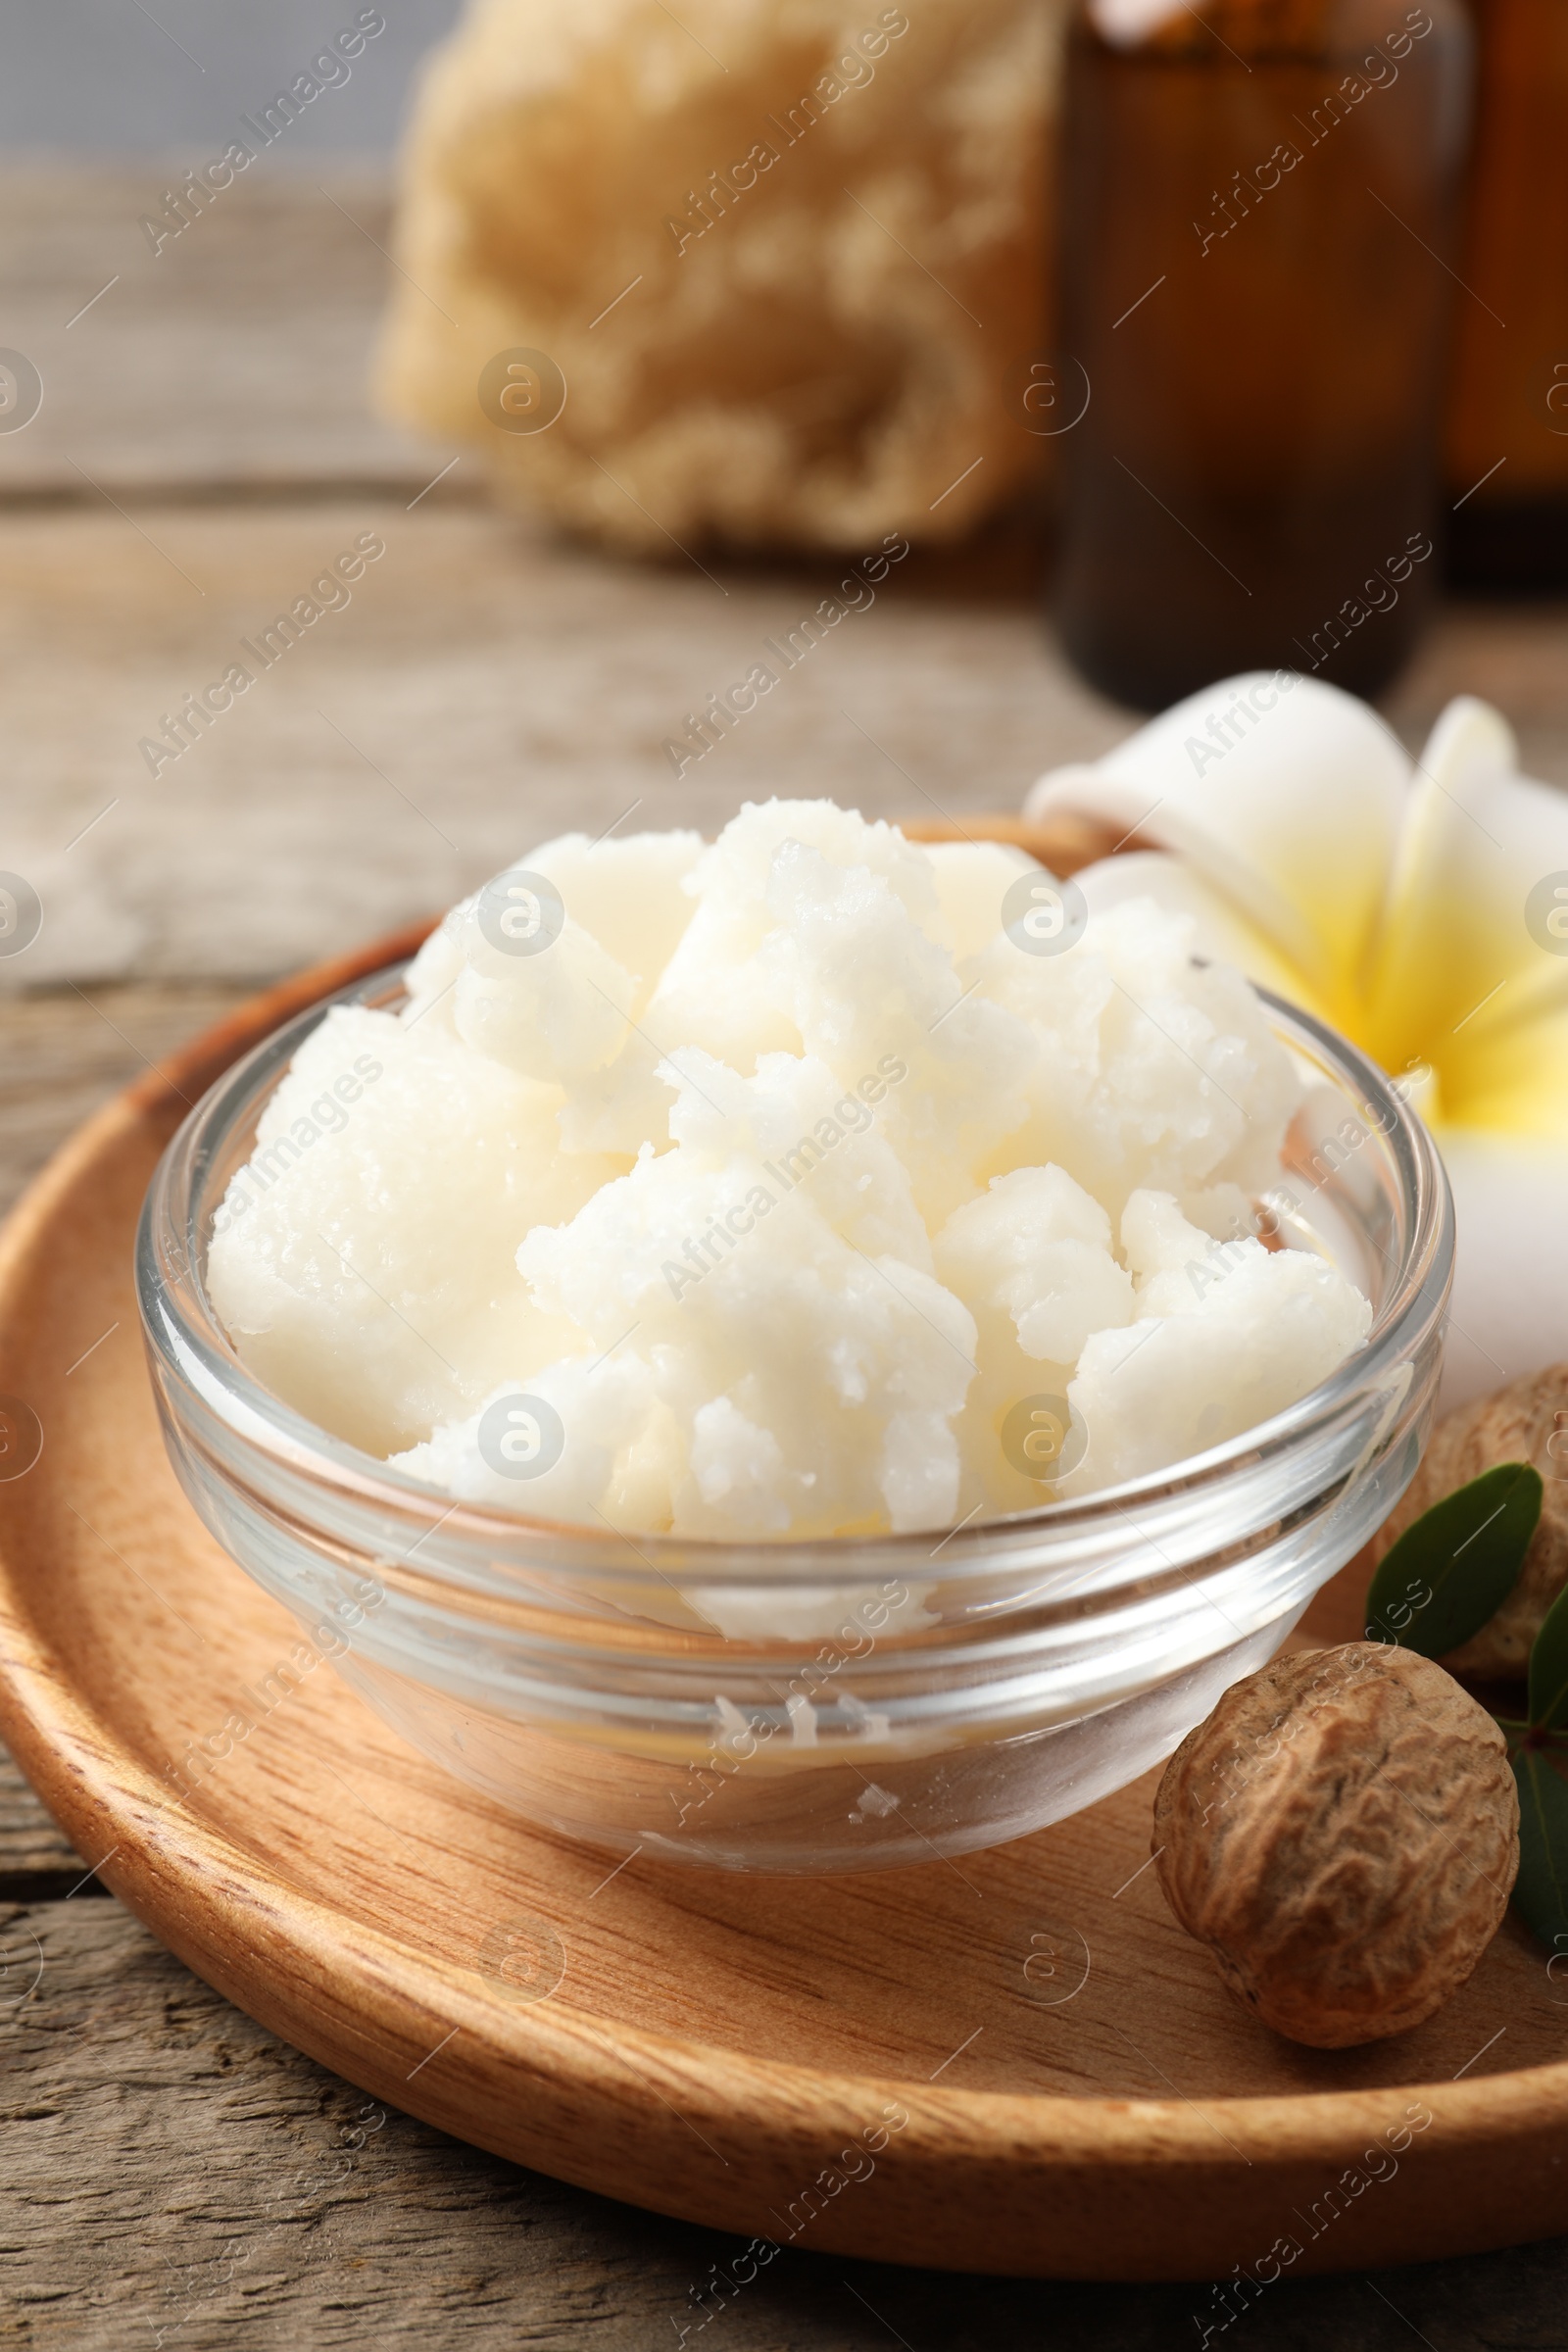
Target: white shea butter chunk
{"type": "Point", "coordinates": [604, 1403]}
{"type": "Point", "coordinates": [1153, 1070]}
{"type": "Point", "coordinates": [972, 877]}
{"type": "Point", "coordinates": [766, 1184]}
{"type": "Point", "coordinates": [810, 1372]}
{"type": "Point", "coordinates": [363, 1258]}
{"type": "Point", "coordinates": [1228, 1333]}
{"type": "Point", "coordinates": [1037, 1250]}
{"type": "Point", "coordinates": [1032, 1260]}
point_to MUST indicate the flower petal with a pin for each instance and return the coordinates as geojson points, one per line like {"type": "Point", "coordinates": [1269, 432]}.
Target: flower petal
{"type": "Point", "coordinates": [1285, 794]}
{"type": "Point", "coordinates": [1509, 1312]}
{"type": "Point", "coordinates": [1466, 950]}
{"type": "Point", "coordinates": [1512, 1080]}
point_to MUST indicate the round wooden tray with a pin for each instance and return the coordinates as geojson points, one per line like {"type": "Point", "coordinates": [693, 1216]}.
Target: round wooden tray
{"type": "Point", "coordinates": [1012, 2062]}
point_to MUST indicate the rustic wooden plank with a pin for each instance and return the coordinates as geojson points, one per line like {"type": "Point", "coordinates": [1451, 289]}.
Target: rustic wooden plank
{"type": "Point", "coordinates": [170, 2173]}
{"type": "Point", "coordinates": [240, 355]}
{"type": "Point", "coordinates": [36, 1861]}
{"type": "Point", "coordinates": [234, 2186]}
{"type": "Point", "coordinates": [62, 1054]}
{"type": "Point", "coordinates": [487, 686]}
{"type": "Point", "coordinates": [60, 1057]}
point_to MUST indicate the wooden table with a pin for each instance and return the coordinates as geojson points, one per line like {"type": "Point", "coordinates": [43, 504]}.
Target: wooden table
{"type": "Point", "coordinates": [171, 2173]}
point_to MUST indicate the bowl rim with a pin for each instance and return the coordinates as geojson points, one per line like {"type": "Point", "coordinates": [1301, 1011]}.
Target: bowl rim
{"type": "Point", "coordinates": [184, 1332]}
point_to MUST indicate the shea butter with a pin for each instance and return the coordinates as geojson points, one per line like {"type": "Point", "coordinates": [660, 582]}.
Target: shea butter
{"type": "Point", "coordinates": [810, 1183]}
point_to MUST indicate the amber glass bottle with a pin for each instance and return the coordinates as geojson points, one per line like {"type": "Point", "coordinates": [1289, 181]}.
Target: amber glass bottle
{"type": "Point", "coordinates": [1259, 201]}
{"type": "Point", "coordinates": [1508, 438]}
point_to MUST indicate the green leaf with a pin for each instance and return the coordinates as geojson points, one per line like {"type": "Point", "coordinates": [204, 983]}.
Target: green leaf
{"type": "Point", "coordinates": [1548, 1669]}
{"type": "Point", "coordinates": [1540, 1890]}
{"type": "Point", "coordinates": [1455, 1565]}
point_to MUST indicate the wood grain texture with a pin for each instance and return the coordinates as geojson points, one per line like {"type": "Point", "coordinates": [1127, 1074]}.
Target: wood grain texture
{"type": "Point", "coordinates": [236, 360]}
{"type": "Point", "coordinates": [488, 687]}
{"type": "Point", "coordinates": [61, 1055]}
{"type": "Point", "coordinates": [485, 688]}
{"type": "Point", "coordinates": [36, 1861]}
{"type": "Point", "coordinates": [172, 2175]}
{"type": "Point", "coordinates": [716, 2041]}
{"type": "Point", "coordinates": [238, 2193]}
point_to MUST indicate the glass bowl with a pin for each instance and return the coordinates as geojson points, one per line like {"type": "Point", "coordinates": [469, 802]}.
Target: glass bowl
{"type": "Point", "coordinates": [574, 1674]}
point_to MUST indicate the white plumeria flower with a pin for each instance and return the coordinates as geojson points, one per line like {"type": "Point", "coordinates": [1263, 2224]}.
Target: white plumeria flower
{"type": "Point", "coordinates": [1421, 907]}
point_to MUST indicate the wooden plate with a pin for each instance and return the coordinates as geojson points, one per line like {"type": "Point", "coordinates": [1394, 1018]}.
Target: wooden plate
{"type": "Point", "coordinates": [1016, 2063]}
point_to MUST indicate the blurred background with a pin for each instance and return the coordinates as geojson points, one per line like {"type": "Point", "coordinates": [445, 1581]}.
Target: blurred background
{"type": "Point", "coordinates": [100, 75]}
{"type": "Point", "coordinates": [784, 282]}
{"type": "Point", "coordinates": [217, 420]}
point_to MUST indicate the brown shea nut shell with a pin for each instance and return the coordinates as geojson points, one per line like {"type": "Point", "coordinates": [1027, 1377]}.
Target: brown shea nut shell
{"type": "Point", "coordinates": [1343, 1833]}
{"type": "Point", "coordinates": [1517, 1424]}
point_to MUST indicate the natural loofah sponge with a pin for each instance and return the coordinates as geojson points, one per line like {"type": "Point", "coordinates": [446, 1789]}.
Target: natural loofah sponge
{"type": "Point", "coordinates": [789, 260]}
